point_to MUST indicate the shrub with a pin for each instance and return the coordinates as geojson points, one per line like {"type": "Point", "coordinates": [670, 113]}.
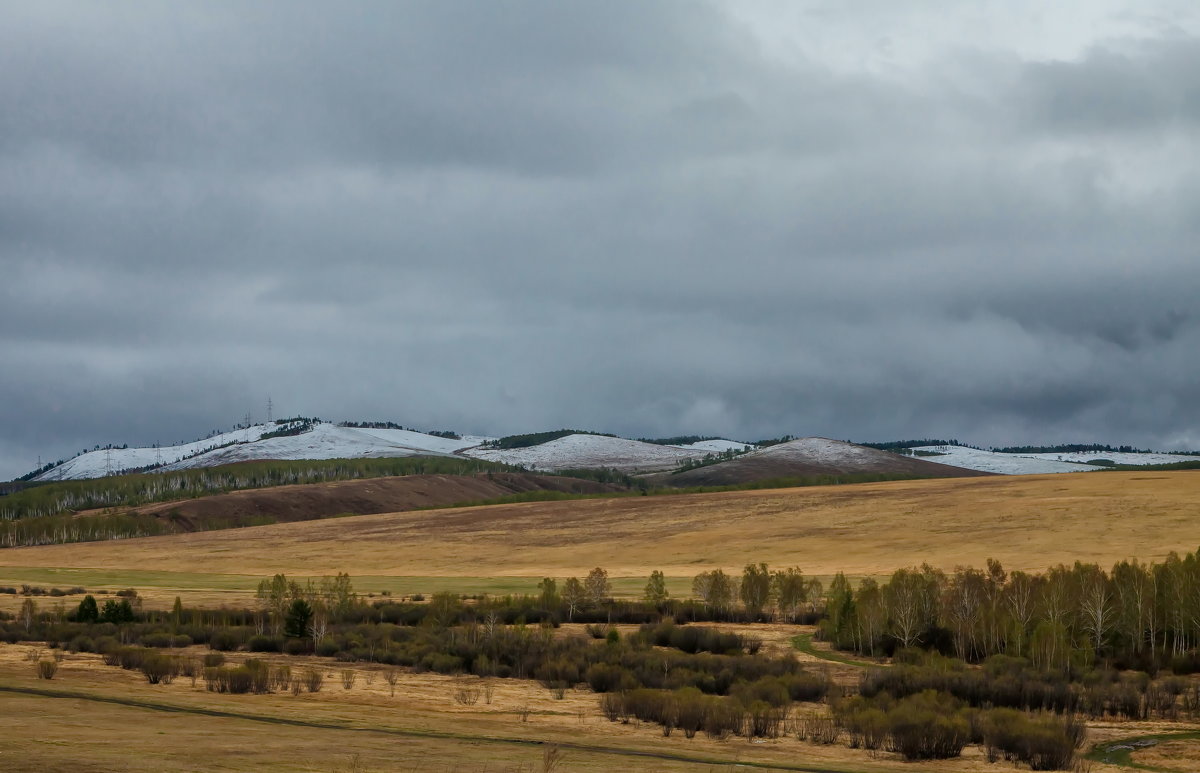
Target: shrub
{"type": "Point", "coordinates": [263, 643]}
{"type": "Point", "coordinates": [82, 643]}
{"type": "Point", "coordinates": [224, 640]}
{"type": "Point", "coordinates": [158, 640]}
{"type": "Point", "coordinates": [1044, 742]}
{"type": "Point", "coordinates": [46, 669]}
{"type": "Point", "coordinates": [313, 679]}
{"type": "Point", "coordinates": [159, 668]}
{"type": "Point", "coordinates": [214, 659]}
{"type": "Point", "coordinates": [924, 726]}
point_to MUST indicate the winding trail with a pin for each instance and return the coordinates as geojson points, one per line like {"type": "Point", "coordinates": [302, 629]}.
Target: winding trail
{"type": "Point", "coordinates": [1119, 752]}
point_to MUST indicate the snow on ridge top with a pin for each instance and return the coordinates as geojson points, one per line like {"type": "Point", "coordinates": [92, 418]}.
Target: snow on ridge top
{"type": "Point", "coordinates": [97, 464]}
{"type": "Point", "coordinates": [580, 450]}
{"type": "Point", "coordinates": [715, 446]}
{"type": "Point", "coordinates": [1116, 457]}
{"type": "Point", "coordinates": [411, 439]}
{"type": "Point", "coordinates": [322, 441]}
{"type": "Point", "coordinates": [819, 449]}
{"type": "Point", "coordinates": [1035, 464]}
{"type": "Point", "coordinates": [1004, 464]}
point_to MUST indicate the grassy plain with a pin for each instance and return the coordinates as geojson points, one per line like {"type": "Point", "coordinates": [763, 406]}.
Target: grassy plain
{"type": "Point", "coordinates": [92, 717]}
{"type": "Point", "coordinates": [1028, 522]}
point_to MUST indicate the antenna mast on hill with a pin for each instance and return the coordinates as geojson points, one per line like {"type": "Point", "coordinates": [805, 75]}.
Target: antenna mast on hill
{"type": "Point", "coordinates": [269, 406]}
{"type": "Point", "coordinates": [157, 455]}
{"type": "Point", "coordinates": [108, 461]}
{"type": "Point", "coordinates": [247, 422]}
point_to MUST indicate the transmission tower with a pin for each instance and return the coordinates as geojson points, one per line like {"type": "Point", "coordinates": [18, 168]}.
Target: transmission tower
{"type": "Point", "coordinates": [269, 406]}
{"type": "Point", "coordinates": [247, 420]}
{"type": "Point", "coordinates": [108, 461]}
{"type": "Point", "coordinates": [157, 455]}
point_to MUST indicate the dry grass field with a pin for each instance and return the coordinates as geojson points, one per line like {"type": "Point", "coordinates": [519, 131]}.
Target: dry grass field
{"type": "Point", "coordinates": [1028, 522]}
{"type": "Point", "coordinates": [103, 718]}
{"type": "Point", "coordinates": [106, 719]}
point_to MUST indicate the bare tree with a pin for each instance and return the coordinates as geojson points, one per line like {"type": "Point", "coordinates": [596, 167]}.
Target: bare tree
{"type": "Point", "coordinates": [574, 595]}
{"type": "Point", "coordinates": [903, 596]}
{"type": "Point", "coordinates": [597, 586]}
{"type": "Point", "coordinates": [28, 614]}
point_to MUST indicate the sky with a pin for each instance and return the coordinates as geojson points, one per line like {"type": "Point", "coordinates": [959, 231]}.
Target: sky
{"type": "Point", "coordinates": [859, 219]}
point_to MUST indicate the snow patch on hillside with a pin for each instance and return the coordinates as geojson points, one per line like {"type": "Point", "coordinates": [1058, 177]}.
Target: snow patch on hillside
{"type": "Point", "coordinates": [577, 451]}
{"type": "Point", "coordinates": [819, 449]}
{"type": "Point", "coordinates": [96, 464]}
{"type": "Point", "coordinates": [717, 446]}
{"type": "Point", "coordinates": [324, 441]}
{"type": "Point", "coordinates": [410, 439]}
{"type": "Point", "coordinates": [1037, 464]}
{"type": "Point", "coordinates": [1003, 464]}
{"type": "Point", "coordinates": [1116, 457]}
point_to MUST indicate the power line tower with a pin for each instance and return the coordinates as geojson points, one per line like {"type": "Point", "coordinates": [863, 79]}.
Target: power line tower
{"type": "Point", "coordinates": [108, 461]}
{"type": "Point", "coordinates": [247, 420]}
{"type": "Point", "coordinates": [269, 407]}
{"type": "Point", "coordinates": [157, 455]}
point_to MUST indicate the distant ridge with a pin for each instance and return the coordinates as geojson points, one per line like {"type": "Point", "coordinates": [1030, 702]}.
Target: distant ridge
{"type": "Point", "coordinates": [808, 457]}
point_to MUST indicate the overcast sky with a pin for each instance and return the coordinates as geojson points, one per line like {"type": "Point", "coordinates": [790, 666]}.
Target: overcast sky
{"type": "Point", "coordinates": [857, 218]}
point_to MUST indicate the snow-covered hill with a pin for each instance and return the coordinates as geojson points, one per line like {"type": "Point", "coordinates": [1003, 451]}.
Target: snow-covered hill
{"type": "Point", "coordinates": [1036, 464]}
{"type": "Point", "coordinates": [1116, 457]}
{"type": "Point", "coordinates": [323, 441]}
{"type": "Point", "coordinates": [329, 441]}
{"type": "Point", "coordinates": [578, 451]}
{"type": "Point", "coordinates": [97, 464]}
{"type": "Point", "coordinates": [820, 450]}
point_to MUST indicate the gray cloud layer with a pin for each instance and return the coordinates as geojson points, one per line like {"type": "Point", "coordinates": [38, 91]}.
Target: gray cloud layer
{"type": "Point", "coordinates": [645, 218]}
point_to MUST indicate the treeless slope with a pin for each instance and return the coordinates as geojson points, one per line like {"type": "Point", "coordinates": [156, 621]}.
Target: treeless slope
{"type": "Point", "coordinates": [1028, 522]}
{"type": "Point", "coordinates": [374, 495]}
{"type": "Point", "coordinates": [807, 457]}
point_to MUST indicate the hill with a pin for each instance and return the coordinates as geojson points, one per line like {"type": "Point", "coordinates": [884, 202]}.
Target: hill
{"type": "Point", "coordinates": [305, 502]}
{"type": "Point", "coordinates": [1027, 522]}
{"type": "Point", "coordinates": [579, 451]}
{"type": "Point", "coordinates": [1018, 463]}
{"type": "Point", "coordinates": [276, 441]}
{"type": "Point", "coordinates": [807, 457]}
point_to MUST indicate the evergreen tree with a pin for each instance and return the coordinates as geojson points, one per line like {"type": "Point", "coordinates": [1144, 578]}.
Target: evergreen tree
{"type": "Point", "coordinates": [296, 623]}
{"type": "Point", "coordinates": [87, 612]}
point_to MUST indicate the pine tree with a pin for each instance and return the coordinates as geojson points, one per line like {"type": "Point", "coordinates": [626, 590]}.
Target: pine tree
{"type": "Point", "coordinates": [87, 612]}
{"type": "Point", "coordinates": [296, 623]}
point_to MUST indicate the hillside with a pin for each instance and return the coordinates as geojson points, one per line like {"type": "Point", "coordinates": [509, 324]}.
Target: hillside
{"type": "Point", "coordinates": [281, 504]}
{"type": "Point", "coordinates": [584, 451]}
{"type": "Point", "coordinates": [963, 457]}
{"type": "Point", "coordinates": [1027, 522]}
{"type": "Point", "coordinates": [808, 457]}
{"type": "Point", "coordinates": [320, 441]}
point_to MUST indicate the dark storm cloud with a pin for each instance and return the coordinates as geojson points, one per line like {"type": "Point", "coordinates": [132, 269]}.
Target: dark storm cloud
{"type": "Point", "coordinates": [642, 218]}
